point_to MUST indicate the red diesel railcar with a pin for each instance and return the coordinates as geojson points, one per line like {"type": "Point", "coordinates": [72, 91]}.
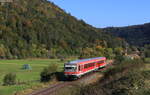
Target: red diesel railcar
{"type": "Point", "coordinates": [78, 68]}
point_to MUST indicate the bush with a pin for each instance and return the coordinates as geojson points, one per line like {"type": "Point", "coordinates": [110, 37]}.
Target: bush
{"type": "Point", "coordinates": [49, 73]}
{"type": "Point", "coordinates": [119, 58]}
{"type": "Point", "coordinates": [9, 79]}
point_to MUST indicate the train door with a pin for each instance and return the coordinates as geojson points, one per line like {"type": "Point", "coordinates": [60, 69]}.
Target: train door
{"type": "Point", "coordinates": [96, 64]}
{"type": "Point", "coordinates": [80, 68]}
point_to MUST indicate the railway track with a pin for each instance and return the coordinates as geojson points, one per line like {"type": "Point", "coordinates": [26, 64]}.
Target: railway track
{"type": "Point", "coordinates": [51, 90]}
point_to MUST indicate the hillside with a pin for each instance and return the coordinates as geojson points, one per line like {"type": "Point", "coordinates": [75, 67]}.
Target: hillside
{"type": "Point", "coordinates": [138, 35]}
{"type": "Point", "coordinates": [42, 29]}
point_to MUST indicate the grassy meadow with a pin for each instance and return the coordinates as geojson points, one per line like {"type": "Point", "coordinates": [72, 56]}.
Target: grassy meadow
{"type": "Point", "coordinates": [29, 77]}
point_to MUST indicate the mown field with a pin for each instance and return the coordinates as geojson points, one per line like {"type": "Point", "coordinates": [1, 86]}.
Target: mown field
{"type": "Point", "coordinates": [28, 77]}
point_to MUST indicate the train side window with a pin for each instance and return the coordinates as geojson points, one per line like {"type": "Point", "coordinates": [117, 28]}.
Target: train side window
{"type": "Point", "coordinates": [89, 65]}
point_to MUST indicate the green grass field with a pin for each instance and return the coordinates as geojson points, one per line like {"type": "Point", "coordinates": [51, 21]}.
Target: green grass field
{"type": "Point", "coordinates": [32, 77]}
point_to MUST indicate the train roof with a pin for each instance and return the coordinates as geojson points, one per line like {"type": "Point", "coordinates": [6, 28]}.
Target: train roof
{"type": "Point", "coordinates": [85, 60]}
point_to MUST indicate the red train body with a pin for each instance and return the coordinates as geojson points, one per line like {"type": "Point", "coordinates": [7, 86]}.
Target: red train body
{"type": "Point", "coordinates": [78, 68]}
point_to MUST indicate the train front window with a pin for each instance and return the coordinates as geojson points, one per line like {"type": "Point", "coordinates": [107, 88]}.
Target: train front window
{"type": "Point", "coordinates": [70, 69]}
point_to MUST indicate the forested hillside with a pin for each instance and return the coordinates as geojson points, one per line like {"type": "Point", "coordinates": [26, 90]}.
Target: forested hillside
{"type": "Point", "coordinates": [39, 28]}
{"type": "Point", "coordinates": [138, 35]}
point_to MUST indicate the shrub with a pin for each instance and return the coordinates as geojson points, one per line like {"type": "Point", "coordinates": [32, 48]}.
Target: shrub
{"type": "Point", "coordinates": [9, 79]}
{"type": "Point", "coordinates": [119, 58]}
{"type": "Point", "coordinates": [49, 73]}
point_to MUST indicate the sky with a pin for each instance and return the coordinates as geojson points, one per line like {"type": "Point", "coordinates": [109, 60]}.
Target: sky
{"type": "Point", "coordinates": [108, 13]}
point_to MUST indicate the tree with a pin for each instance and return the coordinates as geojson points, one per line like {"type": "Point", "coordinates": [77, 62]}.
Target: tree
{"type": "Point", "coordinates": [100, 51]}
{"type": "Point", "coordinates": [119, 58]}
{"type": "Point", "coordinates": [147, 53]}
{"type": "Point", "coordinates": [118, 51]}
{"type": "Point", "coordinates": [2, 51]}
{"type": "Point", "coordinates": [9, 79]}
{"type": "Point", "coordinates": [87, 52]}
{"type": "Point", "coordinates": [48, 73]}
{"type": "Point", "coordinates": [109, 53]}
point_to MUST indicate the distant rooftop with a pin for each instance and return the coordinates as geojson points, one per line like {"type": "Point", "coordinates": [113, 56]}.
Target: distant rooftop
{"type": "Point", "coordinates": [82, 60]}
